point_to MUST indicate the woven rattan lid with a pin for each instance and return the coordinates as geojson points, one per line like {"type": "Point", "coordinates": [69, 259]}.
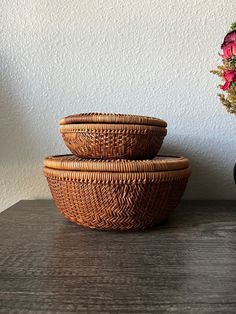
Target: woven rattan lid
{"type": "Point", "coordinates": [160, 163]}
{"type": "Point", "coordinates": [111, 118]}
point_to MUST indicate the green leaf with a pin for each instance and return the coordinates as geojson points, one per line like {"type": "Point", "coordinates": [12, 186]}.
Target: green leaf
{"type": "Point", "coordinates": [233, 26]}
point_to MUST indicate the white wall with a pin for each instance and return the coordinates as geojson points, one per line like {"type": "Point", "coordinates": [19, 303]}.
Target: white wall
{"type": "Point", "coordinates": [133, 56]}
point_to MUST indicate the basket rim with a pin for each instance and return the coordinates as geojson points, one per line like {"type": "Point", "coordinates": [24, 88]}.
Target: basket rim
{"type": "Point", "coordinates": [117, 177]}
{"type": "Point", "coordinates": [160, 163]}
{"type": "Point", "coordinates": [109, 127]}
{"type": "Point", "coordinates": [117, 118]}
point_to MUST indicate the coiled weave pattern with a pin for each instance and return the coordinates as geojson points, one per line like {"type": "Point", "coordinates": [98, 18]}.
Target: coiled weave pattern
{"type": "Point", "coordinates": [95, 117]}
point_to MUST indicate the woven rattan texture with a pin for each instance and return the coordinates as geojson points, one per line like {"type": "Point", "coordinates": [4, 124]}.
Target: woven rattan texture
{"type": "Point", "coordinates": [118, 177]}
{"type": "Point", "coordinates": [159, 163]}
{"type": "Point", "coordinates": [111, 118]}
{"type": "Point", "coordinates": [121, 143]}
{"type": "Point", "coordinates": [127, 206]}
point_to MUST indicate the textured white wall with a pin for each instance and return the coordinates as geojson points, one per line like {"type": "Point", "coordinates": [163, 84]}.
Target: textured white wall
{"type": "Point", "coordinates": [147, 57]}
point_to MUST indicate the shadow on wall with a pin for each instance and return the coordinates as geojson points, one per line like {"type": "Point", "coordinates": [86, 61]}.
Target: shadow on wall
{"type": "Point", "coordinates": [21, 143]}
{"type": "Point", "coordinates": [16, 141]}
{"type": "Point", "coordinates": [27, 125]}
{"type": "Point", "coordinates": [211, 178]}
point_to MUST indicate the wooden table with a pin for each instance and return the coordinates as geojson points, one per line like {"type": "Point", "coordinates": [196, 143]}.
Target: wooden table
{"type": "Point", "coordinates": [49, 265]}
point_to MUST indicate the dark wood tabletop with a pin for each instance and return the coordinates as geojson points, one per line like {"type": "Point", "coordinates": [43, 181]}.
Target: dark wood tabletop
{"type": "Point", "coordinates": [186, 265]}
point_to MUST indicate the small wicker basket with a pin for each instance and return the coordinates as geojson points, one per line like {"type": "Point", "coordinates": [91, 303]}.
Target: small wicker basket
{"type": "Point", "coordinates": [116, 194]}
{"type": "Point", "coordinates": [113, 136]}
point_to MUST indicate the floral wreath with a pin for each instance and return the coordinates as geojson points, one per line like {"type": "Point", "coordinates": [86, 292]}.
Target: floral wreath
{"type": "Point", "coordinates": [227, 71]}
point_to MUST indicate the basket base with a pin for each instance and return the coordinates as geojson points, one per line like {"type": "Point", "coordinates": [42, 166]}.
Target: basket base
{"type": "Point", "coordinates": [116, 228]}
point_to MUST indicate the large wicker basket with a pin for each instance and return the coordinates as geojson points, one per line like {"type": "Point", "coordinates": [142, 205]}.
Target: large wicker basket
{"type": "Point", "coordinates": [113, 135]}
{"type": "Point", "coordinates": [116, 194]}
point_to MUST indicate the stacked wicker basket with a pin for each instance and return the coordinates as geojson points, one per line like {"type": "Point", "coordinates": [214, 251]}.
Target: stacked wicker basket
{"type": "Point", "coordinates": [114, 179]}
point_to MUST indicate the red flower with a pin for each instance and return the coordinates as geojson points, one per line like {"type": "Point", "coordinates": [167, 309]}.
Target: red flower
{"type": "Point", "coordinates": [229, 39]}
{"type": "Point", "coordinates": [230, 77]}
{"type": "Point", "coordinates": [229, 50]}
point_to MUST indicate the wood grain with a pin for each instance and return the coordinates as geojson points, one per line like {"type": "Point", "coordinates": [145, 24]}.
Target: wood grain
{"type": "Point", "coordinates": [187, 265]}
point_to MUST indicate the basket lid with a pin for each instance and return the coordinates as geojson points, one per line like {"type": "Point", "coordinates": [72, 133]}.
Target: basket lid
{"type": "Point", "coordinates": [111, 118]}
{"type": "Point", "coordinates": [159, 163]}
